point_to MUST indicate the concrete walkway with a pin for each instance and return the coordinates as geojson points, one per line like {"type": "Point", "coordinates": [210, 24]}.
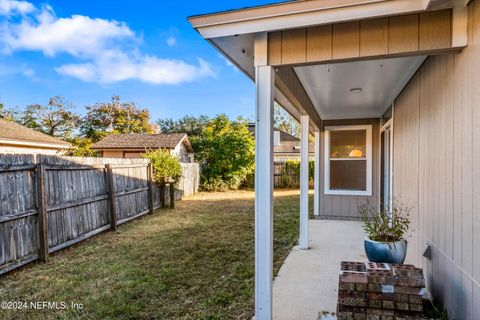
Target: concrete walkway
{"type": "Point", "coordinates": [307, 282]}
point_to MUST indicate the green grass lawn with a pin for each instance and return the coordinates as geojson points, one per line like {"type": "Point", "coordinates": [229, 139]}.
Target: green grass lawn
{"type": "Point", "coordinates": [193, 262]}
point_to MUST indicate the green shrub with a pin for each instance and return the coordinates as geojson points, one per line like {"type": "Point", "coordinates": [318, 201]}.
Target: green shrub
{"type": "Point", "coordinates": [166, 168]}
{"type": "Point", "coordinates": [225, 150]}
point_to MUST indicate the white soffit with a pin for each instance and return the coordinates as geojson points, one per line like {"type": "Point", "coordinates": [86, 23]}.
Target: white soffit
{"type": "Point", "coordinates": [329, 86]}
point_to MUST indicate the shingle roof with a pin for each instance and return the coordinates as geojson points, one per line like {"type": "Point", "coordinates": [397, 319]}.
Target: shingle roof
{"type": "Point", "coordinates": [13, 132]}
{"type": "Point", "coordinates": [141, 141]}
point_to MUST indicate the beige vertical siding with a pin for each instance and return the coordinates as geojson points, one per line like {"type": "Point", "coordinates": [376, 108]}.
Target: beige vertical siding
{"type": "Point", "coordinates": [437, 170]}
{"type": "Point", "coordinates": [421, 33]}
{"type": "Point", "coordinates": [346, 207]}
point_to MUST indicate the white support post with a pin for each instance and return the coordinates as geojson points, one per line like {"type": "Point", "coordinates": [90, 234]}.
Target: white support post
{"type": "Point", "coordinates": [264, 79]}
{"type": "Point", "coordinates": [316, 178]}
{"type": "Point", "coordinates": [304, 154]}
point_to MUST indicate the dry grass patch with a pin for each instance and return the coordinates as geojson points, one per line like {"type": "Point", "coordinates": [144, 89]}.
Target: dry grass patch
{"type": "Point", "coordinates": [194, 262]}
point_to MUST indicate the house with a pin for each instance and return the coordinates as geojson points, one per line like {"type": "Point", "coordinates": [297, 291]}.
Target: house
{"type": "Point", "coordinates": [17, 139]}
{"type": "Point", "coordinates": [391, 91]}
{"type": "Point", "coordinates": [132, 145]}
{"type": "Point", "coordinates": [285, 146]}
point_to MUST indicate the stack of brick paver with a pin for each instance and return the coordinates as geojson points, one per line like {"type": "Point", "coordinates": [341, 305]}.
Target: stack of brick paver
{"type": "Point", "coordinates": [380, 291]}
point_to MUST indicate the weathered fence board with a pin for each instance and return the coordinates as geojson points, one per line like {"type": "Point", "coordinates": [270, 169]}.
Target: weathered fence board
{"type": "Point", "coordinates": [75, 200]}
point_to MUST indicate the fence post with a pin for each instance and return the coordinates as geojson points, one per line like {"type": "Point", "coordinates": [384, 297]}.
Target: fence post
{"type": "Point", "coordinates": [162, 194]}
{"type": "Point", "coordinates": [150, 187]}
{"type": "Point", "coordinates": [42, 212]}
{"type": "Point", "coordinates": [111, 196]}
{"type": "Point", "coordinates": [172, 195]}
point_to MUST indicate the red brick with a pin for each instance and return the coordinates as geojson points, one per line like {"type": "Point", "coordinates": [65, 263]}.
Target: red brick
{"type": "Point", "coordinates": [351, 294]}
{"type": "Point", "coordinates": [401, 306]}
{"type": "Point", "coordinates": [374, 287]}
{"type": "Point", "coordinates": [400, 297]}
{"type": "Point", "coordinates": [388, 304]}
{"type": "Point", "coordinates": [361, 287]}
{"type": "Point", "coordinates": [353, 277]}
{"type": "Point", "coordinates": [374, 303]}
{"type": "Point", "coordinates": [416, 307]}
{"type": "Point", "coordinates": [415, 299]}
{"type": "Point", "coordinates": [409, 290]}
{"type": "Point", "coordinates": [347, 286]}
{"type": "Point", "coordinates": [411, 282]}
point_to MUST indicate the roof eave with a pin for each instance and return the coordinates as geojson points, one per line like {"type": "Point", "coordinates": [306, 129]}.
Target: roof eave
{"type": "Point", "coordinates": [297, 14]}
{"type": "Point", "coordinates": [26, 143]}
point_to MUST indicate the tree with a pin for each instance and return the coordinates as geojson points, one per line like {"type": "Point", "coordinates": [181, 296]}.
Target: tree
{"type": "Point", "coordinates": [115, 117]}
{"type": "Point", "coordinates": [166, 169]}
{"type": "Point", "coordinates": [82, 148]}
{"type": "Point", "coordinates": [226, 152]}
{"type": "Point", "coordinates": [55, 119]}
{"type": "Point", "coordinates": [191, 125]}
{"type": "Point", "coordinates": [285, 122]}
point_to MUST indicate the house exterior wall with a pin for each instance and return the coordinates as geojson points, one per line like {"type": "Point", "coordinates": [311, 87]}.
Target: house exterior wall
{"type": "Point", "coordinates": [182, 153]}
{"type": "Point", "coordinates": [112, 153]}
{"type": "Point", "coordinates": [436, 170]}
{"type": "Point", "coordinates": [11, 149]}
{"type": "Point", "coordinates": [342, 206]}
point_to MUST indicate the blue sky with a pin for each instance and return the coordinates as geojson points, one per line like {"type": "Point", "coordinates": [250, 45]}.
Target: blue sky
{"type": "Point", "coordinates": [144, 51]}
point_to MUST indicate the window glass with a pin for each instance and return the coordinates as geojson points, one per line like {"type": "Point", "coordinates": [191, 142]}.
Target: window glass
{"type": "Point", "coordinates": [348, 175]}
{"type": "Point", "coordinates": [348, 144]}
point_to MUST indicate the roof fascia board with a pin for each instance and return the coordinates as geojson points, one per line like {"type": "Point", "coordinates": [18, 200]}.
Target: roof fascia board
{"type": "Point", "coordinates": [271, 10]}
{"type": "Point", "coordinates": [129, 148]}
{"type": "Point", "coordinates": [34, 144]}
{"type": "Point", "coordinates": [302, 19]}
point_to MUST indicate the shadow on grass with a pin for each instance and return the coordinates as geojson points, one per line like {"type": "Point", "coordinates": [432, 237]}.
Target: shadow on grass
{"type": "Point", "coordinates": [194, 262]}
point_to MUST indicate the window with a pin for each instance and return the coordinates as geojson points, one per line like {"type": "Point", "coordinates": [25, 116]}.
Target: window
{"type": "Point", "coordinates": [348, 160]}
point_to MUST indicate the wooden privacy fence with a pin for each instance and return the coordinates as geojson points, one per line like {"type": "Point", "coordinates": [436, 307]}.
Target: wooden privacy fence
{"type": "Point", "coordinates": [287, 175]}
{"type": "Point", "coordinates": [50, 203]}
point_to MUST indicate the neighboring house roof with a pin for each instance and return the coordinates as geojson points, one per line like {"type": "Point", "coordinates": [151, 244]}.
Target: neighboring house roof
{"type": "Point", "coordinates": [143, 141]}
{"type": "Point", "coordinates": [14, 134]}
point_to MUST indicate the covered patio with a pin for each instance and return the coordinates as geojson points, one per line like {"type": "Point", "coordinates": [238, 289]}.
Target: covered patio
{"type": "Point", "coordinates": [365, 79]}
{"type": "Point", "coordinates": [307, 283]}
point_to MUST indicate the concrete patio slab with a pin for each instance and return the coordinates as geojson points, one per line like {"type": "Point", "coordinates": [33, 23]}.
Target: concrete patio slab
{"type": "Point", "coordinates": [307, 282]}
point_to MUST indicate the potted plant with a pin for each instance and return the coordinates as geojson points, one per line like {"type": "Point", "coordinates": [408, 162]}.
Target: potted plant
{"type": "Point", "coordinates": [385, 228]}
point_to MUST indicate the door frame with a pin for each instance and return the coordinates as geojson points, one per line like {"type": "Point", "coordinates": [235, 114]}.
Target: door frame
{"type": "Point", "coordinates": [387, 126]}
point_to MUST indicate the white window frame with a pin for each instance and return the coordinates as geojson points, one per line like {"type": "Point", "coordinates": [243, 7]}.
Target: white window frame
{"type": "Point", "coordinates": [368, 158]}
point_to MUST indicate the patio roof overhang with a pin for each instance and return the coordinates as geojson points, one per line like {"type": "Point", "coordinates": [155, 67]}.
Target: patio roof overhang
{"type": "Point", "coordinates": [309, 56]}
{"type": "Point", "coordinates": [324, 32]}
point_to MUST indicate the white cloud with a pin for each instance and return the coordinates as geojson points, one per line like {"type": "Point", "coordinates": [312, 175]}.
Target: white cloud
{"type": "Point", "coordinates": [28, 72]}
{"type": "Point", "coordinates": [85, 72]}
{"type": "Point", "coordinates": [116, 66]}
{"type": "Point", "coordinates": [79, 36]}
{"type": "Point", "coordinates": [107, 49]}
{"type": "Point", "coordinates": [171, 41]}
{"type": "Point", "coordinates": [10, 7]}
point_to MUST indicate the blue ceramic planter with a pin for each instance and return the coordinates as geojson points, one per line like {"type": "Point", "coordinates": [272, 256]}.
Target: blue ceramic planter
{"type": "Point", "coordinates": [387, 252]}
